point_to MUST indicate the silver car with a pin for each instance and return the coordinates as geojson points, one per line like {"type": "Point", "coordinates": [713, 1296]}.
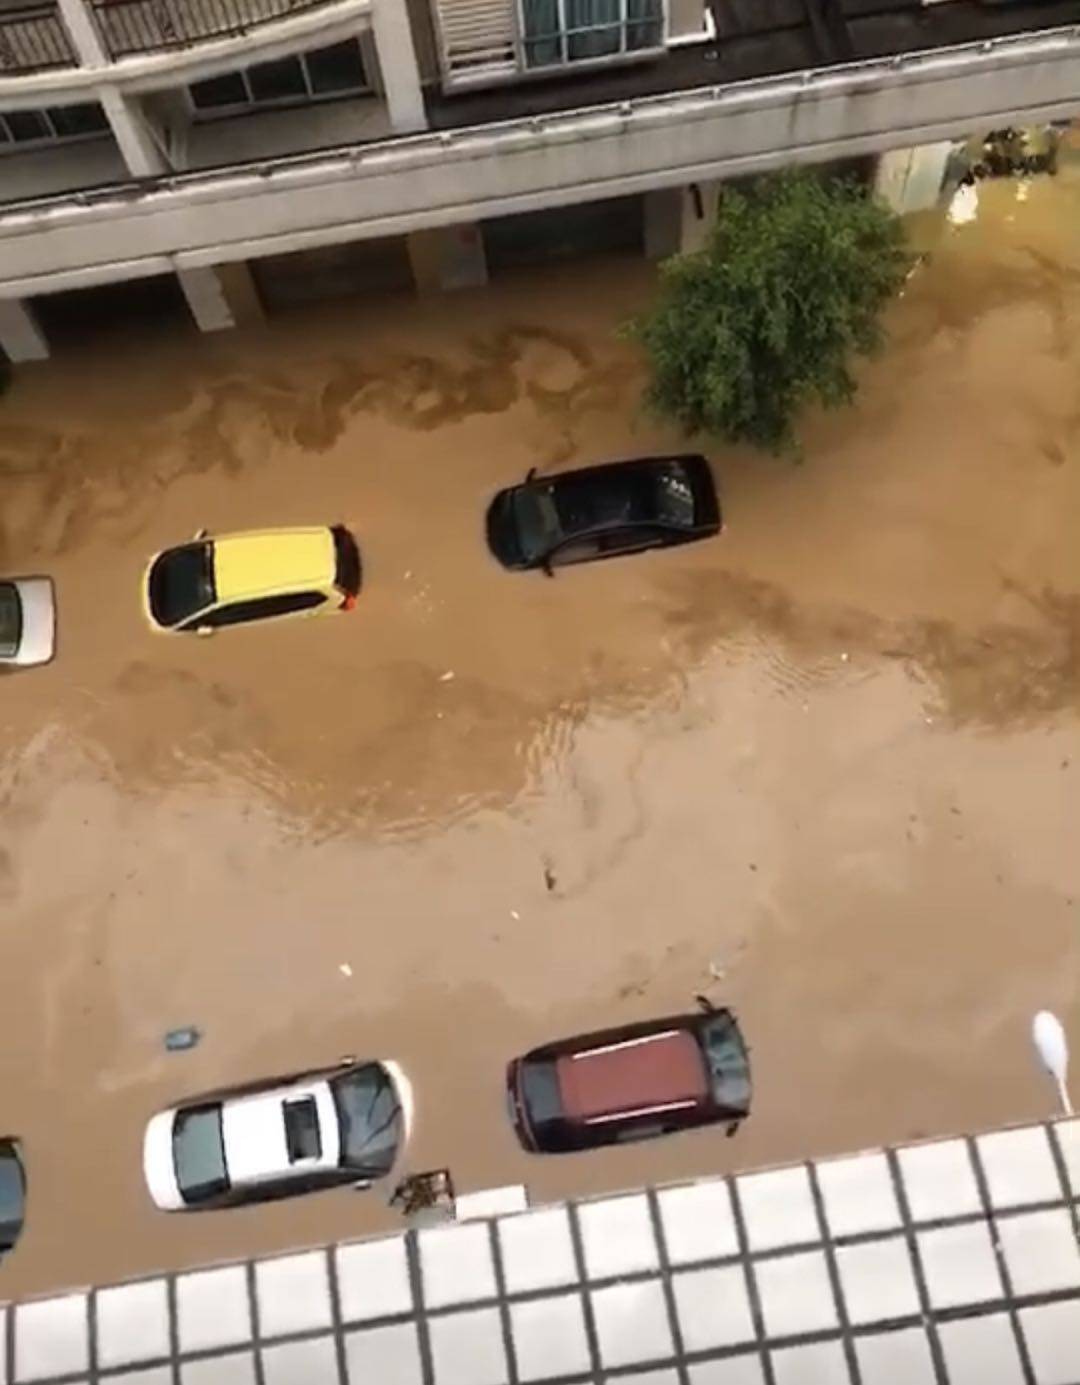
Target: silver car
{"type": "Point", "coordinates": [27, 620]}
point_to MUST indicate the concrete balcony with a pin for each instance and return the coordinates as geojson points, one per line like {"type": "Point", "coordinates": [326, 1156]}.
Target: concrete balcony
{"type": "Point", "coordinates": [147, 26]}
{"type": "Point", "coordinates": [33, 39]}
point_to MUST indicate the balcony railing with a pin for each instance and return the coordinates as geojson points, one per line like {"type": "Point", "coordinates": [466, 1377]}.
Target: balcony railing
{"type": "Point", "coordinates": [142, 26]}
{"type": "Point", "coordinates": [33, 38]}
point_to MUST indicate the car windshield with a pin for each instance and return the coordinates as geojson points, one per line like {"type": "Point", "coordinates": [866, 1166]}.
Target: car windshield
{"type": "Point", "coordinates": [729, 1067]}
{"type": "Point", "coordinates": [12, 1197]}
{"type": "Point", "coordinates": [537, 521]}
{"type": "Point", "coordinates": [199, 1153]}
{"type": "Point", "coordinates": [10, 620]}
{"type": "Point", "coordinates": [369, 1119]}
{"type": "Point", "coordinates": [181, 583]}
{"type": "Point", "coordinates": [674, 497]}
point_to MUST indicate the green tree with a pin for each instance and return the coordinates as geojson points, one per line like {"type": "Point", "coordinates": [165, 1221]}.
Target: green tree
{"type": "Point", "coordinates": [770, 315]}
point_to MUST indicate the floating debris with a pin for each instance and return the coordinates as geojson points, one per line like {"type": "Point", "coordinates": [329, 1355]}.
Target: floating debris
{"type": "Point", "coordinates": [176, 1040]}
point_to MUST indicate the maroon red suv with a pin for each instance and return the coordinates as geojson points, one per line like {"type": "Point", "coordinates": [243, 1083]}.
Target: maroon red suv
{"type": "Point", "coordinates": [631, 1083]}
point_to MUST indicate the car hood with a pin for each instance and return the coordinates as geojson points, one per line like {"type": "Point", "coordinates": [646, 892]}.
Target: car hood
{"type": "Point", "coordinates": [38, 642]}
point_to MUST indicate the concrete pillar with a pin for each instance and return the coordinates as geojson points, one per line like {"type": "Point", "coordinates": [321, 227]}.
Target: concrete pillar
{"type": "Point", "coordinates": [679, 220]}
{"type": "Point", "coordinates": [206, 299]}
{"type": "Point", "coordinates": [140, 142]}
{"type": "Point", "coordinates": [447, 257]}
{"type": "Point", "coordinates": [241, 292]}
{"type": "Point", "coordinates": [398, 65]}
{"type": "Point", "coordinates": [910, 180]}
{"type": "Point", "coordinates": [21, 336]}
{"type": "Point", "coordinates": [84, 34]}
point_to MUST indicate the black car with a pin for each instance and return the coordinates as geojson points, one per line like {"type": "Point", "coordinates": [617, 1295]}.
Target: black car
{"type": "Point", "coordinates": [12, 1195]}
{"type": "Point", "coordinates": [602, 511]}
{"type": "Point", "coordinates": [631, 1083]}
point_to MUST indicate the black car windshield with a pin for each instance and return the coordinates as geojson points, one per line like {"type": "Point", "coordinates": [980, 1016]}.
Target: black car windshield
{"type": "Point", "coordinates": [674, 497]}
{"type": "Point", "coordinates": [12, 1196]}
{"type": "Point", "coordinates": [181, 583]}
{"type": "Point", "coordinates": [199, 1153]}
{"type": "Point", "coordinates": [729, 1067]}
{"type": "Point", "coordinates": [537, 521]}
{"type": "Point", "coordinates": [369, 1119]}
{"type": "Point", "coordinates": [10, 620]}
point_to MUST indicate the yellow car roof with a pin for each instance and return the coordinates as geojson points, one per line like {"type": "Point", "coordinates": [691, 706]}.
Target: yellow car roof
{"type": "Point", "coordinates": [272, 560]}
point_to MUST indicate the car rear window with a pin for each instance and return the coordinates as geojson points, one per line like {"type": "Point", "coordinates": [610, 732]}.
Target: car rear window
{"type": "Point", "coordinates": [729, 1066]}
{"type": "Point", "coordinates": [10, 620]}
{"type": "Point", "coordinates": [369, 1119]}
{"type": "Point", "coordinates": [199, 1153]}
{"type": "Point", "coordinates": [346, 561]}
{"type": "Point", "coordinates": [302, 1129]}
{"type": "Point", "coordinates": [12, 1195]}
{"type": "Point", "coordinates": [540, 1091]}
{"type": "Point", "coordinates": [181, 583]}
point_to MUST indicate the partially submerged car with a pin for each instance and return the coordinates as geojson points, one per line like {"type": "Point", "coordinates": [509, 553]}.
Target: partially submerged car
{"type": "Point", "coordinates": [631, 1083]}
{"type": "Point", "coordinates": [279, 1138]}
{"type": "Point", "coordinates": [602, 512]}
{"type": "Point", "coordinates": [12, 1195]}
{"type": "Point", "coordinates": [262, 574]}
{"type": "Point", "coordinates": [27, 621]}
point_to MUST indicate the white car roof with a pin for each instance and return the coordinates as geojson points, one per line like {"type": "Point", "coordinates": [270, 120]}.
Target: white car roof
{"type": "Point", "coordinates": [253, 1129]}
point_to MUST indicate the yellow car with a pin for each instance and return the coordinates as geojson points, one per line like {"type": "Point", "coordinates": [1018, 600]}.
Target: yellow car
{"type": "Point", "coordinates": [264, 574]}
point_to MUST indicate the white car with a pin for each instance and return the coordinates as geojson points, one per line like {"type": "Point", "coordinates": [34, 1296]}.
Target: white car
{"type": "Point", "coordinates": [27, 620]}
{"type": "Point", "coordinates": [279, 1138]}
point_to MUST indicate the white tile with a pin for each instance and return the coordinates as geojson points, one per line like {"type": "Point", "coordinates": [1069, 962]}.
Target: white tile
{"type": "Point", "coordinates": [373, 1279]}
{"type": "Point", "coordinates": [698, 1222]}
{"type": "Point", "coordinates": [467, 1348]}
{"type": "Point", "coordinates": [981, 1350]}
{"type": "Point", "coordinates": [900, 1357]}
{"type": "Point", "coordinates": [732, 1370]}
{"type": "Point", "coordinates": [1067, 1134]}
{"type": "Point", "coordinates": [939, 1180]}
{"type": "Point", "coordinates": [960, 1265]}
{"type": "Point", "coordinates": [132, 1323]}
{"type": "Point", "coordinates": [52, 1337]}
{"type": "Point", "coordinates": [491, 1202]}
{"type": "Point", "coordinates": [537, 1252]}
{"type": "Point", "coordinates": [858, 1194]}
{"type": "Point", "coordinates": [549, 1337]}
{"type": "Point", "coordinates": [713, 1307]}
{"type": "Point", "coordinates": [661, 1377]}
{"type": "Point", "coordinates": [778, 1208]}
{"type": "Point", "coordinates": [796, 1294]}
{"type": "Point", "coordinates": [457, 1264]}
{"type": "Point", "coordinates": [312, 1362]}
{"type": "Point", "coordinates": [212, 1308]}
{"type": "Point", "coordinates": [293, 1293]}
{"type": "Point", "coordinates": [1040, 1251]}
{"type": "Point", "coordinates": [618, 1236]}
{"type": "Point", "coordinates": [155, 1375]}
{"type": "Point", "coordinates": [1052, 1333]}
{"type": "Point", "coordinates": [384, 1356]}
{"type": "Point", "coordinates": [1019, 1167]}
{"type": "Point", "coordinates": [632, 1323]}
{"type": "Point", "coordinates": [878, 1280]}
{"type": "Point", "coordinates": [235, 1369]}
{"type": "Point", "coordinates": [815, 1363]}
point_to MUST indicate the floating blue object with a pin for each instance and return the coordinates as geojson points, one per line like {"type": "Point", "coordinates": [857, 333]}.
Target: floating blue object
{"type": "Point", "coordinates": [179, 1039]}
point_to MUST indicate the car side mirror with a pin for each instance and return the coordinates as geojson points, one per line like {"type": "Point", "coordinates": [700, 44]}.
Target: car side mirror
{"type": "Point", "coordinates": [530, 475]}
{"type": "Point", "coordinates": [199, 534]}
{"type": "Point", "coordinates": [546, 568]}
{"type": "Point", "coordinates": [204, 630]}
{"type": "Point", "coordinates": [705, 1005]}
{"type": "Point", "coordinates": [361, 1185]}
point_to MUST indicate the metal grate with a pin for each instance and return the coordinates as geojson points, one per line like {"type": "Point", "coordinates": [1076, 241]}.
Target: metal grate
{"type": "Point", "coordinates": [140, 26]}
{"type": "Point", "coordinates": [478, 38]}
{"type": "Point", "coordinates": [33, 38]}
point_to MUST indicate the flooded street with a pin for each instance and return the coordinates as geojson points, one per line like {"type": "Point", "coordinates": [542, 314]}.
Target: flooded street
{"type": "Point", "coordinates": [832, 757]}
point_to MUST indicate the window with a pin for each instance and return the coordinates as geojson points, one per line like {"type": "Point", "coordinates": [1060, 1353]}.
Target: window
{"type": "Point", "coordinates": [567, 31]}
{"type": "Point", "coordinates": [10, 621]}
{"type": "Point", "coordinates": [302, 1139]}
{"type": "Point", "coordinates": [727, 1062]}
{"type": "Point", "coordinates": [303, 77]}
{"type": "Point", "coordinates": [181, 583]}
{"type": "Point", "coordinates": [262, 608]}
{"type": "Point", "coordinates": [199, 1154]}
{"type": "Point", "coordinates": [12, 1195]}
{"type": "Point", "coordinates": [369, 1119]}
{"type": "Point", "coordinates": [56, 123]}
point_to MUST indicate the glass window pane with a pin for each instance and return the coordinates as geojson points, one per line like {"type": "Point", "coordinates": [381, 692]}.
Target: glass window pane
{"type": "Point", "coordinates": [542, 45]}
{"type": "Point", "coordinates": [26, 125]}
{"type": "Point", "coordinates": [85, 119]}
{"type": "Point", "coordinates": [338, 68]}
{"type": "Point", "coordinates": [226, 90]}
{"type": "Point", "coordinates": [645, 24]}
{"type": "Point", "coordinates": [601, 19]}
{"type": "Point", "coordinates": [277, 81]}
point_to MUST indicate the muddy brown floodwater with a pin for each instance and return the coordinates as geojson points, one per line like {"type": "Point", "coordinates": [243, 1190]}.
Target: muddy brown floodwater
{"type": "Point", "coordinates": [833, 755]}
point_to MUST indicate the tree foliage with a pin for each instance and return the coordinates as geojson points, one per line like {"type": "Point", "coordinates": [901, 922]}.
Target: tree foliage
{"type": "Point", "coordinates": [771, 314]}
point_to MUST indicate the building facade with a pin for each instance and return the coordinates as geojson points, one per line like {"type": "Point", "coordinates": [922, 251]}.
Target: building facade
{"type": "Point", "coordinates": [239, 155]}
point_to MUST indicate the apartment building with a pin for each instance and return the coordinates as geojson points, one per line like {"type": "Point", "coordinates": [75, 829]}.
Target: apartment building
{"type": "Point", "coordinates": [228, 157]}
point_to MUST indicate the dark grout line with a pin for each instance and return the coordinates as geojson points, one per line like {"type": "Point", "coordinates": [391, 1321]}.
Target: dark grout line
{"type": "Point", "coordinates": [335, 1314]}
{"type": "Point", "coordinates": [172, 1309]}
{"type": "Point", "coordinates": [420, 1315]}
{"type": "Point", "coordinates": [937, 1354]}
{"type": "Point", "coordinates": [503, 1306]}
{"type": "Point", "coordinates": [591, 1334]}
{"type": "Point", "coordinates": [256, 1337]}
{"type": "Point", "coordinates": [92, 1335]}
{"type": "Point", "coordinates": [756, 1313]}
{"type": "Point", "coordinates": [9, 1343]}
{"type": "Point", "coordinates": [1057, 1153]}
{"type": "Point", "coordinates": [833, 1266]}
{"type": "Point", "coordinates": [668, 1286]}
{"type": "Point", "coordinates": [999, 1254]}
